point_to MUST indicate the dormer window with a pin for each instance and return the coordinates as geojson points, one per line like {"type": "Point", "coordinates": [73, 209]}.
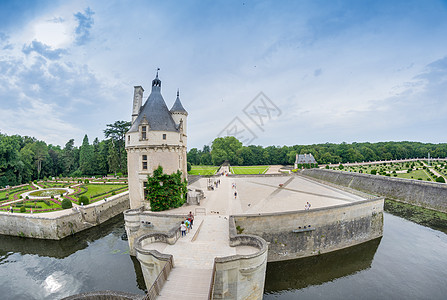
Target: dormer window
{"type": "Point", "coordinates": [143, 132]}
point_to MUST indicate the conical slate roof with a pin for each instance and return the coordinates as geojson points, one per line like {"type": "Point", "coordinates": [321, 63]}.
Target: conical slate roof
{"type": "Point", "coordinates": [155, 111]}
{"type": "Point", "coordinates": [178, 107]}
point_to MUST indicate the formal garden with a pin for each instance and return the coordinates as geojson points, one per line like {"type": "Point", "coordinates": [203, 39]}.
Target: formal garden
{"type": "Point", "coordinates": [418, 170]}
{"type": "Point", "coordinates": [59, 193]}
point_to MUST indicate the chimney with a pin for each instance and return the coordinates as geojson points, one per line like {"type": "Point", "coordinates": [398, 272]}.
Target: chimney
{"type": "Point", "coordinates": [137, 101]}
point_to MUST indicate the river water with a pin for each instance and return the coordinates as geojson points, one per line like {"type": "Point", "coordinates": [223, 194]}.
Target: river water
{"type": "Point", "coordinates": [408, 262]}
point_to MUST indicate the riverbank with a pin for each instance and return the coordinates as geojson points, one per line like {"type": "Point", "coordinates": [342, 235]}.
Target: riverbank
{"type": "Point", "coordinates": [423, 216]}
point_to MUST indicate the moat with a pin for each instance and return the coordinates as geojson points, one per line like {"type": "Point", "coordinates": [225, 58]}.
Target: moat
{"type": "Point", "coordinates": [408, 262]}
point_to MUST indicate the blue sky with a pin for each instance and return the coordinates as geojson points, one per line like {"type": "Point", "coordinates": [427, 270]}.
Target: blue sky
{"type": "Point", "coordinates": [328, 71]}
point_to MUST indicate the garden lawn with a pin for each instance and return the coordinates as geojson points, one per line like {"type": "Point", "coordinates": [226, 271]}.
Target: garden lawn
{"type": "Point", "coordinates": [203, 170]}
{"type": "Point", "coordinates": [249, 169]}
{"type": "Point", "coordinates": [414, 175]}
{"type": "Point", "coordinates": [101, 190]}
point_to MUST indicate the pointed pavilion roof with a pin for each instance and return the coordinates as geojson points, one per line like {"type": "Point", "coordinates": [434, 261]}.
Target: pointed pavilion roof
{"type": "Point", "coordinates": [178, 107]}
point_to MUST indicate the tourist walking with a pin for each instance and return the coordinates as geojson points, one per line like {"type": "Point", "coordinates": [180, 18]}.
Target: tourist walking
{"type": "Point", "coordinates": [183, 228]}
{"type": "Point", "coordinates": [235, 194]}
{"type": "Point", "coordinates": [191, 218]}
{"type": "Point", "coordinates": [188, 225]}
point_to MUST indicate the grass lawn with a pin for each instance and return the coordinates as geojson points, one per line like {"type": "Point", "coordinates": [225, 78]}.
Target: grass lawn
{"type": "Point", "coordinates": [249, 169]}
{"type": "Point", "coordinates": [13, 191]}
{"type": "Point", "coordinates": [203, 170]}
{"type": "Point", "coordinates": [414, 175]}
{"type": "Point", "coordinates": [37, 206]}
{"type": "Point", "coordinates": [94, 190]}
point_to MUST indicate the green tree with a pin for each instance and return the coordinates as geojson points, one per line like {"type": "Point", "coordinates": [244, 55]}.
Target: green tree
{"type": "Point", "coordinates": [113, 157]}
{"type": "Point", "coordinates": [117, 132]}
{"type": "Point", "coordinates": [226, 148]}
{"type": "Point", "coordinates": [86, 157]}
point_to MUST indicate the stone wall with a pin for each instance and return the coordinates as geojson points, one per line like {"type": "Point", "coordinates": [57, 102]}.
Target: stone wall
{"type": "Point", "coordinates": [305, 233]}
{"type": "Point", "coordinates": [430, 195]}
{"type": "Point", "coordinates": [55, 226]}
{"type": "Point", "coordinates": [139, 222]}
{"type": "Point", "coordinates": [241, 276]}
{"type": "Point", "coordinates": [152, 262]}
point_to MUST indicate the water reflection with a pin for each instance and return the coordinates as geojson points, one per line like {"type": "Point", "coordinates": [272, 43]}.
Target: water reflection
{"type": "Point", "coordinates": [96, 259]}
{"type": "Point", "coordinates": [300, 273]}
{"type": "Point", "coordinates": [62, 248]}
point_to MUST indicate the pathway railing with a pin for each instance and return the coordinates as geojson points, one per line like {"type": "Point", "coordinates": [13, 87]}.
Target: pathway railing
{"type": "Point", "coordinates": [213, 277]}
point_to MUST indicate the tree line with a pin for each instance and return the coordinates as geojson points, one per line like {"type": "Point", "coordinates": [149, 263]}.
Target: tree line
{"type": "Point", "coordinates": [229, 148]}
{"type": "Point", "coordinates": [23, 159]}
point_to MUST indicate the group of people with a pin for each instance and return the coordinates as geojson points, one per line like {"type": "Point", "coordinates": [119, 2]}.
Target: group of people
{"type": "Point", "coordinates": [213, 185]}
{"type": "Point", "coordinates": [186, 225]}
{"type": "Point", "coordinates": [307, 206]}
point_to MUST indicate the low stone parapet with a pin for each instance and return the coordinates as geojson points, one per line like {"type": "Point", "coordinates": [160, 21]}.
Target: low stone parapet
{"type": "Point", "coordinates": [240, 276]}
{"type": "Point", "coordinates": [430, 195]}
{"type": "Point", "coordinates": [140, 223]}
{"type": "Point", "coordinates": [333, 228]}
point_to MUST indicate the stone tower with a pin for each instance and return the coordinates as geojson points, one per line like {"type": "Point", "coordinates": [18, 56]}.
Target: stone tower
{"type": "Point", "coordinates": [157, 137]}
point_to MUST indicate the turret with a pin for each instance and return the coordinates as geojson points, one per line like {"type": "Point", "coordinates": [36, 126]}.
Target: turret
{"type": "Point", "coordinates": [179, 115]}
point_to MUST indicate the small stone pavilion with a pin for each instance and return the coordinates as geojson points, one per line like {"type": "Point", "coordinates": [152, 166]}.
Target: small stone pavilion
{"type": "Point", "coordinates": [157, 137]}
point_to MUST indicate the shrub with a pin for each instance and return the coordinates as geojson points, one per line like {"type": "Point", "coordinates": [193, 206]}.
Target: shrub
{"type": "Point", "coordinates": [86, 181]}
{"type": "Point", "coordinates": [327, 166]}
{"type": "Point", "coordinates": [83, 200]}
{"type": "Point", "coordinates": [119, 174]}
{"type": "Point", "coordinates": [26, 197]}
{"type": "Point", "coordinates": [66, 203]}
{"type": "Point", "coordinates": [440, 179]}
{"type": "Point", "coordinates": [188, 166]}
{"type": "Point", "coordinates": [22, 209]}
{"type": "Point", "coordinates": [341, 167]}
{"type": "Point", "coordinates": [373, 172]}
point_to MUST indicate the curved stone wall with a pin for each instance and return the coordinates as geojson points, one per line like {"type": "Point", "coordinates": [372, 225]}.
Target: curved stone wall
{"type": "Point", "coordinates": [430, 195]}
{"type": "Point", "coordinates": [241, 276]}
{"type": "Point", "coordinates": [105, 295]}
{"type": "Point", "coordinates": [152, 262]}
{"type": "Point", "coordinates": [302, 233]}
{"type": "Point", "coordinates": [140, 222]}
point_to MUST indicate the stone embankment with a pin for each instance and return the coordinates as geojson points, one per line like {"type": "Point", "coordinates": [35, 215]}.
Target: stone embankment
{"type": "Point", "coordinates": [430, 195]}
{"type": "Point", "coordinates": [303, 233]}
{"type": "Point", "coordinates": [59, 224]}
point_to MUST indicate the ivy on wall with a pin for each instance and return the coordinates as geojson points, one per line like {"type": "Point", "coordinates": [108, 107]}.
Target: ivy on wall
{"type": "Point", "coordinates": [165, 191]}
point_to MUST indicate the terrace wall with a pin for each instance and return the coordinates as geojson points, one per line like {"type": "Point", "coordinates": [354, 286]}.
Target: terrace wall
{"type": "Point", "coordinates": [304, 233]}
{"type": "Point", "coordinates": [430, 195]}
{"type": "Point", "coordinates": [59, 224]}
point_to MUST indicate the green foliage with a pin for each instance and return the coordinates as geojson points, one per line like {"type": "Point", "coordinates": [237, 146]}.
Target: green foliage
{"type": "Point", "coordinates": [341, 167]}
{"type": "Point", "coordinates": [83, 200]}
{"type": "Point", "coordinates": [226, 148]}
{"type": "Point", "coordinates": [66, 203]}
{"type": "Point", "coordinates": [440, 179]}
{"type": "Point", "coordinates": [373, 172]}
{"type": "Point", "coordinates": [22, 209]}
{"type": "Point", "coordinates": [165, 191]}
{"type": "Point", "coordinates": [188, 166]}
{"type": "Point", "coordinates": [86, 181]}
